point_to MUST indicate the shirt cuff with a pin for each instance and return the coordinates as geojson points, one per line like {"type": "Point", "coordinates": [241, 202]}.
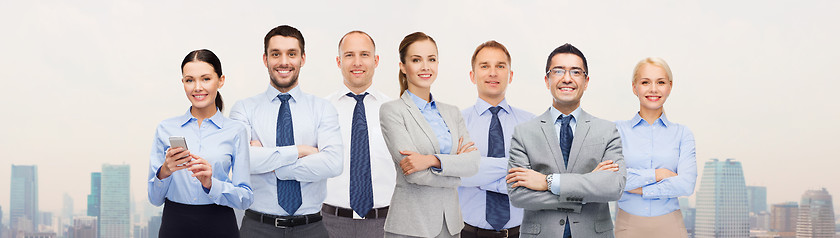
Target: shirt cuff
{"type": "Point", "coordinates": [215, 190]}
{"type": "Point", "coordinates": [436, 169]}
{"type": "Point", "coordinates": [161, 183]}
{"type": "Point", "coordinates": [555, 184]}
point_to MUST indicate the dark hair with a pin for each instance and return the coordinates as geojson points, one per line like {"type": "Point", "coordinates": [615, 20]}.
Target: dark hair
{"type": "Point", "coordinates": [490, 44]}
{"type": "Point", "coordinates": [404, 44]}
{"type": "Point", "coordinates": [287, 31]}
{"type": "Point", "coordinates": [356, 32]}
{"type": "Point", "coordinates": [566, 49]}
{"type": "Point", "coordinates": [207, 56]}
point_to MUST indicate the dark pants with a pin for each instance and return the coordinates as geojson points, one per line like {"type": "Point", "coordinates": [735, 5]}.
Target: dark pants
{"type": "Point", "coordinates": [340, 227]}
{"type": "Point", "coordinates": [255, 229]}
{"type": "Point", "coordinates": [181, 220]}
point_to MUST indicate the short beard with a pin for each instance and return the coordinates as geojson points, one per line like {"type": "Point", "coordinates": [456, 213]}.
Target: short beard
{"type": "Point", "coordinates": [278, 86]}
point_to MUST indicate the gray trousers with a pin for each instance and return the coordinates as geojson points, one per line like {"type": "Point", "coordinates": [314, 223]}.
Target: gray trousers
{"type": "Point", "coordinates": [254, 229]}
{"type": "Point", "coordinates": [444, 233]}
{"type": "Point", "coordinates": [340, 227]}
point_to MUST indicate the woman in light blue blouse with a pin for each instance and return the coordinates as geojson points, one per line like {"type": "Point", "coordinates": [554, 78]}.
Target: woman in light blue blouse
{"type": "Point", "coordinates": [660, 160]}
{"type": "Point", "coordinates": [201, 185]}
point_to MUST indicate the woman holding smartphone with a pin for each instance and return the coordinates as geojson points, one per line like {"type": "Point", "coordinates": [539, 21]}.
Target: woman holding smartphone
{"type": "Point", "coordinates": [660, 158]}
{"type": "Point", "coordinates": [194, 184]}
{"type": "Point", "coordinates": [429, 144]}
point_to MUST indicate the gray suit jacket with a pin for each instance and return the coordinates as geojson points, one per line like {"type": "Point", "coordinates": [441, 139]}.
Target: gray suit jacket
{"type": "Point", "coordinates": [583, 195]}
{"type": "Point", "coordinates": [422, 200]}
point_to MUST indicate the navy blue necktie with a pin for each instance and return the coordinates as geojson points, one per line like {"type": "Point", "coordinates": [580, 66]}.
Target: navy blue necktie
{"type": "Point", "coordinates": [497, 209]}
{"type": "Point", "coordinates": [566, 138]}
{"type": "Point", "coordinates": [288, 191]}
{"type": "Point", "coordinates": [361, 189]}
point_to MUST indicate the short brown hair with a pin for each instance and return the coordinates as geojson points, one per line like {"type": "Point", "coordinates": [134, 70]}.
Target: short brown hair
{"type": "Point", "coordinates": [490, 44]}
{"type": "Point", "coordinates": [287, 31]}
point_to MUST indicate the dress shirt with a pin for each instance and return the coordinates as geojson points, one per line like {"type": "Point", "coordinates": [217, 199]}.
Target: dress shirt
{"type": "Point", "coordinates": [555, 187]}
{"type": "Point", "coordinates": [223, 143]}
{"type": "Point", "coordinates": [649, 147]}
{"type": "Point", "coordinates": [381, 166]}
{"type": "Point", "coordinates": [492, 171]}
{"type": "Point", "coordinates": [435, 120]}
{"type": "Point", "coordinates": [315, 124]}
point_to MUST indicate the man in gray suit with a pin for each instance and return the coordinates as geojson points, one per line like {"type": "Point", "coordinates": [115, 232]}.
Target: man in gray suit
{"type": "Point", "coordinates": [565, 165]}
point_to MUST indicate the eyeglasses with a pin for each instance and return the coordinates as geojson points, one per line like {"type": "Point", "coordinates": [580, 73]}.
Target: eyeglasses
{"type": "Point", "coordinates": [559, 72]}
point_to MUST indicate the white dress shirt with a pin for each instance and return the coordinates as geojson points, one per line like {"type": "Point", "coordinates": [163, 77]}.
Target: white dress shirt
{"type": "Point", "coordinates": [383, 175]}
{"type": "Point", "coordinates": [315, 123]}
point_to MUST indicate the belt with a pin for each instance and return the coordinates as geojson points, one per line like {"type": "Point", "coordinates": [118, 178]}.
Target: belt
{"type": "Point", "coordinates": [480, 232]}
{"type": "Point", "coordinates": [283, 221]}
{"type": "Point", "coordinates": [374, 213]}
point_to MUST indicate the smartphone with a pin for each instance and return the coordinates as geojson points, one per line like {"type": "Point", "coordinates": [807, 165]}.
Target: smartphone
{"type": "Point", "coordinates": [178, 141]}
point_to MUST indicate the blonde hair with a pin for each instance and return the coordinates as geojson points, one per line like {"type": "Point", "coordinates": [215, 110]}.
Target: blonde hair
{"type": "Point", "coordinates": [655, 61]}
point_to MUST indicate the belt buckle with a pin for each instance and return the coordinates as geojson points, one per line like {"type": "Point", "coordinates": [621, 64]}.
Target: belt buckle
{"type": "Point", "coordinates": [506, 232]}
{"type": "Point", "coordinates": [277, 221]}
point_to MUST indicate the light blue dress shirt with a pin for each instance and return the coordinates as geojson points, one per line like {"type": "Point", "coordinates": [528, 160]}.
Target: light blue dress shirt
{"type": "Point", "coordinates": [435, 120]}
{"type": "Point", "coordinates": [492, 171]}
{"type": "Point", "coordinates": [649, 147]}
{"type": "Point", "coordinates": [315, 123]}
{"type": "Point", "coordinates": [555, 187]}
{"type": "Point", "coordinates": [223, 143]}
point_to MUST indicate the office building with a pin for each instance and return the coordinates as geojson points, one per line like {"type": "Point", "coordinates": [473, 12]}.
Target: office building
{"type": "Point", "coordinates": [722, 208]}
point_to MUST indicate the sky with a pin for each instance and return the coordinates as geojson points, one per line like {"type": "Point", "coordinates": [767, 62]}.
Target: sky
{"type": "Point", "coordinates": [86, 82]}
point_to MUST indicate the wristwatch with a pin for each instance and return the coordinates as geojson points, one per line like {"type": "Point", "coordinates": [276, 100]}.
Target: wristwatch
{"type": "Point", "coordinates": [548, 181]}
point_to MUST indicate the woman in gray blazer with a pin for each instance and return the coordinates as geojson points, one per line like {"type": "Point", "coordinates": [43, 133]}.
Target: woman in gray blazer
{"type": "Point", "coordinates": [431, 149]}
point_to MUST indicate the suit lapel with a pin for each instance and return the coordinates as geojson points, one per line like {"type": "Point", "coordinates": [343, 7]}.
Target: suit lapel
{"type": "Point", "coordinates": [547, 126]}
{"type": "Point", "coordinates": [581, 131]}
{"type": "Point", "coordinates": [421, 121]}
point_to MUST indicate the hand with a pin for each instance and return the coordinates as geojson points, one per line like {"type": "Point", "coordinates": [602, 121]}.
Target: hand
{"type": "Point", "coordinates": [465, 148]}
{"type": "Point", "coordinates": [663, 174]}
{"type": "Point", "coordinates": [522, 177]}
{"type": "Point", "coordinates": [202, 170]}
{"type": "Point", "coordinates": [174, 157]}
{"type": "Point", "coordinates": [256, 143]}
{"type": "Point", "coordinates": [413, 162]}
{"type": "Point", "coordinates": [305, 150]}
{"type": "Point", "coordinates": [606, 166]}
{"type": "Point", "coordinates": [636, 191]}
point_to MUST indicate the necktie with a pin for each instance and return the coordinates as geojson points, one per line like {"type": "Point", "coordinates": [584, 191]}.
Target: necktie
{"type": "Point", "coordinates": [288, 191]}
{"type": "Point", "coordinates": [497, 209]}
{"type": "Point", "coordinates": [566, 138]}
{"type": "Point", "coordinates": [361, 189]}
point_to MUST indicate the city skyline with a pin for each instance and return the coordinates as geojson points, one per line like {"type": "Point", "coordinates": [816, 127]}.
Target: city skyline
{"type": "Point", "coordinates": [88, 81]}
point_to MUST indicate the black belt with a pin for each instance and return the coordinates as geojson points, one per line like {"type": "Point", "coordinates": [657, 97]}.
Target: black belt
{"type": "Point", "coordinates": [470, 231]}
{"type": "Point", "coordinates": [374, 213]}
{"type": "Point", "coordinates": [283, 221]}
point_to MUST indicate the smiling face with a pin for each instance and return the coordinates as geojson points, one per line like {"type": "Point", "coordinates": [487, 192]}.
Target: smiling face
{"type": "Point", "coordinates": [491, 73]}
{"type": "Point", "coordinates": [357, 60]}
{"type": "Point", "coordinates": [652, 86]}
{"type": "Point", "coordinates": [421, 64]}
{"type": "Point", "coordinates": [283, 61]}
{"type": "Point", "coordinates": [566, 89]}
{"type": "Point", "coordinates": [201, 84]}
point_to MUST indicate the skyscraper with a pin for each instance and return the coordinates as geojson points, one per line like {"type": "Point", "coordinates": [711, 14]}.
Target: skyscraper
{"type": "Point", "coordinates": [23, 196]}
{"type": "Point", "coordinates": [783, 219]}
{"type": "Point", "coordinates": [154, 226]}
{"type": "Point", "coordinates": [84, 227]}
{"type": "Point", "coordinates": [689, 214]}
{"type": "Point", "coordinates": [816, 215]}
{"type": "Point", "coordinates": [757, 199]}
{"type": "Point", "coordinates": [114, 216]}
{"type": "Point", "coordinates": [94, 196]}
{"type": "Point", "coordinates": [722, 209]}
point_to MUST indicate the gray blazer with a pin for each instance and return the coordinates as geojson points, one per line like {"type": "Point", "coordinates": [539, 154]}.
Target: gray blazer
{"type": "Point", "coordinates": [422, 200]}
{"type": "Point", "coordinates": [583, 195]}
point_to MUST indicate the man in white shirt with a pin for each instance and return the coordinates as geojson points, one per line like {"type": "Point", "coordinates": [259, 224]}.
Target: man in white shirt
{"type": "Point", "coordinates": [357, 200]}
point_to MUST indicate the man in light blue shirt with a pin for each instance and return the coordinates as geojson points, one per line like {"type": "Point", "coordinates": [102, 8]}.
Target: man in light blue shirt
{"type": "Point", "coordinates": [295, 146]}
{"type": "Point", "coordinates": [484, 202]}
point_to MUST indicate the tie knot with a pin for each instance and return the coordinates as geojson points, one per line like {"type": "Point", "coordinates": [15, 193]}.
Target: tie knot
{"type": "Point", "coordinates": [495, 110]}
{"type": "Point", "coordinates": [359, 97]}
{"type": "Point", "coordinates": [284, 97]}
{"type": "Point", "coordinates": [565, 119]}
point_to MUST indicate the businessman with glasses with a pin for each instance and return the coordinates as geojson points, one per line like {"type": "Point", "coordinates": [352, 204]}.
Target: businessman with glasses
{"type": "Point", "coordinates": [565, 165]}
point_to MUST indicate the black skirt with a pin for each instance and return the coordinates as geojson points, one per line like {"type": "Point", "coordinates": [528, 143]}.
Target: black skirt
{"type": "Point", "coordinates": [181, 220]}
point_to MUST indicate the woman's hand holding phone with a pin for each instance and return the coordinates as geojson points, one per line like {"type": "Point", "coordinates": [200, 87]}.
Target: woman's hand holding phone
{"type": "Point", "coordinates": [175, 157]}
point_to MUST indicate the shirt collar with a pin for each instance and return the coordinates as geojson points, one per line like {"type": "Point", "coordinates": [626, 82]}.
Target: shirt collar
{"type": "Point", "coordinates": [217, 119]}
{"type": "Point", "coordinates": [662, 120]}
{"type": "Point", "coordinates": [556, 113]}
{"type": "Point", "coordinates": [271, 93]}
{"type": "Point", "coordinates": [422, 104]}
{"type": "Point", "coordinates": [373, 93]}
{"type": "Point", "coordinates": [482, 107]}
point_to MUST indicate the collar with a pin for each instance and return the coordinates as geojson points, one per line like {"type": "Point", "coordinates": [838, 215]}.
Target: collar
{"type": "Point", "coordinates": [556, 113]}
{"type": "Point", "coordinates": [217, 119]}
{"type": "Point", "coordinates": [271, 93]}
{"type": "Point", "coordinates": [373, 93]}
{"type": "Point", "coordinates": [662, 120]}
{"type": "Point", "coordinates": [482, 107]}
{"type": "Point", "coordinates": [422, 104]}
